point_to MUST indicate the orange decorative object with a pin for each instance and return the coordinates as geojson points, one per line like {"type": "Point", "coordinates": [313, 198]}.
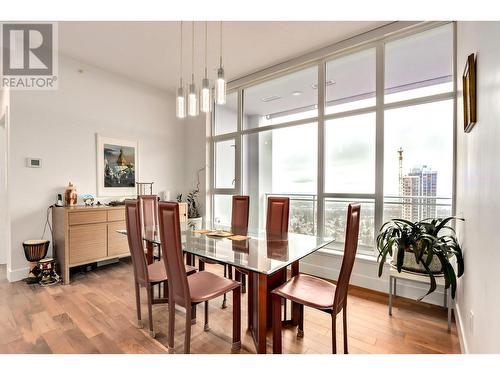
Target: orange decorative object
{"type": "Point", "coordinates": [70, 196]}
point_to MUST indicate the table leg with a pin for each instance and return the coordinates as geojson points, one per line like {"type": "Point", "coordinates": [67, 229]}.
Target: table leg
{"type": "Point", "coordinates": [250, 297]}
{"type": "Point", "coordinates": [394, 292]}
{"type": "Point", "coordinates": [261, 310]}
{"type": "Point", "coordinates": [390, 295]}
{"type": "Point", "coordinates": [295, 306]}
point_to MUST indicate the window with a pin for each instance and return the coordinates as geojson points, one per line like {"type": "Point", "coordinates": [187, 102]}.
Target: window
{"type": "Point", "coordinates": [226, 116]}
{"type": "Point", "coordinates": [225, 164]}
{"type": "Point", "coordinates": [222, 210]}
{"type": "Point", "coordinates": [289, 98]}
{"type": "Point", "coordinates": [335, 222]}
{"type": "Point", "coordinates": [350, 154]}
{"type": "Point", "coordinates": [396, 165]}
{"type": "Point", "coordinates": [282, 162]}
{"type": "Point", "coordinates": [418, 161]}
{"type": "Point", "coordinates": [419, 65]}
{"type": "Point", "coordinates": [350, 82]}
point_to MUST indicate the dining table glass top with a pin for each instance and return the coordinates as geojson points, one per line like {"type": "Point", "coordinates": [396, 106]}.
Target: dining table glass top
{"type": "Point", "coordinates": [261, 252]}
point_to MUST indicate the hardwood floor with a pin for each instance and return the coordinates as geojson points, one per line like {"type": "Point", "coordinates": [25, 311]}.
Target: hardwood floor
{"type": "Point", "coordinates": [96, 314]}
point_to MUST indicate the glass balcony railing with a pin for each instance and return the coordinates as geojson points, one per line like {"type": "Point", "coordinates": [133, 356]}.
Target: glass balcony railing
{"type": "Point", "coordinates": [303, 210]}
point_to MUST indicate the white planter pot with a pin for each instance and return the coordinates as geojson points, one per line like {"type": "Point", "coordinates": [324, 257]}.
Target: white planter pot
{"type": "Point", "coordinates": [410, 264]}
{"type": "Point", "coordinates": [195, 223]}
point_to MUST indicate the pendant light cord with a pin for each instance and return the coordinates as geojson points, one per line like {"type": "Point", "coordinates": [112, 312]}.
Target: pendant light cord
{"type": "Point", "coordinates": [220, 41]}
{"type": "Point", "coordinates": [180, 65]}
{"type": "Point", "coordinates": [192, 53]}
{"type": "Point", "coordinates": [206, 44]}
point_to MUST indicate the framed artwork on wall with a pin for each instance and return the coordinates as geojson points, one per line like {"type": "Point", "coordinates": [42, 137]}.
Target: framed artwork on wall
{"type": "Point", "coordinates": [469, 93]}
{"type": "Point", "coordinates": [117, 167]}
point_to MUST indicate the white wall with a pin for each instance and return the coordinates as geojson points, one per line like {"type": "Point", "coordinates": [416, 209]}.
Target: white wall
{"type": "Point", "coordinates": [195, 157]}
{"type": "Point", "coordinates": [60, 128]}
{"type": "Point", "coordinates": [4, 203]}
{"type": "Point", "coordinates": [478, 186]}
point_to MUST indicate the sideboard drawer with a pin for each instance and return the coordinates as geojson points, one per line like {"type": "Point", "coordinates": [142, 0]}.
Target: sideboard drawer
{"type": "Point", "coordinates": [117, 243]}
{"type": "Point", "coordinates": [116, 215]}
{"type": "Point", "coordinates": [88, 243]}
{"type": "Point", "coordinates": [87, 217]}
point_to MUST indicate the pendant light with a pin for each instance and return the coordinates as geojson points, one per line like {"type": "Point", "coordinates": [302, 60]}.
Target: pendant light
{"type": "Point", "coordinates": [192, 95]}
{"type": "Point", "coordinates": [180, 107]}
{"type": "Point", "coordinates": [220, 87]}
{"type": "Point", "coordinates": [205, 92]}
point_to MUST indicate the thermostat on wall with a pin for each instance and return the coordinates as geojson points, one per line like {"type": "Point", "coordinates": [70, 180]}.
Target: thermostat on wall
{"type": "Point", "coordinates": [33, 163]}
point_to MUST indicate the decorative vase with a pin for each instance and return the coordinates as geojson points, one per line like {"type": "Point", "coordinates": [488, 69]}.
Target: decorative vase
{"type": "Point", "coordinates": [70, 196]}
{"type": "Point", "coordinates": [195, 223]}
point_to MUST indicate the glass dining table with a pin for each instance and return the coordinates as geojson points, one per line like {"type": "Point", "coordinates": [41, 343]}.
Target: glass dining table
{"type": "Point", "coordinates": [264, 257]}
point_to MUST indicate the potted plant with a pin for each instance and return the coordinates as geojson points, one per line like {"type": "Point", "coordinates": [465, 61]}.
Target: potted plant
{"type": "Point", "coordinates": [422, 247]}
{"type": "Point", "coordinates": [195, 220]}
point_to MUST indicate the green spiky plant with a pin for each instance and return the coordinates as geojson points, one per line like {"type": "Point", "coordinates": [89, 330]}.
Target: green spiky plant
{"type": "Point", "coordinates": [422, 240]}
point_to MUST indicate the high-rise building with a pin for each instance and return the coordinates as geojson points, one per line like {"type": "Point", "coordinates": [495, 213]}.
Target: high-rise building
{"type": "Point", "coordinates": [419, 184]}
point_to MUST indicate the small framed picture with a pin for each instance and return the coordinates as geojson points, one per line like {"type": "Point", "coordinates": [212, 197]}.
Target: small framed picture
{"type": "Point", "coordinates": [469, 93]}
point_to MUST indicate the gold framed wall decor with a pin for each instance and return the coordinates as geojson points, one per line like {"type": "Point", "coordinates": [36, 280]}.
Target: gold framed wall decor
{"type": "Point", "coordinates": [469, 93]}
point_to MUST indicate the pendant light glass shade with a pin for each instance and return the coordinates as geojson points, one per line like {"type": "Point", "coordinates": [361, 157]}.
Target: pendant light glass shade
{"type": "Point", "coordinates": [220, 83]}
{"type": "Point", "coordinates": [180, 103]}
{"type": "Point", "coordinates": [220, 87]}
{"type": "Point", "coordinates": [205, 96]}
{"type": "Point", "coordinates": [192, 101]}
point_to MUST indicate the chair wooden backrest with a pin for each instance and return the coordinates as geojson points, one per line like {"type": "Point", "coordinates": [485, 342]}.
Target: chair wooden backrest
{"type": "Point", "coordinates": [135, 242]}
{"type": "Point", "coordinates": [351, 245]}
{"type": "Point", "coordinates": [149, 204]}
{"type": "Point", "coordinates": [277, 215]}
{"type": "Point", "coordinates": [171, 246]}
{"type": "Point", "coordinates": [239, 216]}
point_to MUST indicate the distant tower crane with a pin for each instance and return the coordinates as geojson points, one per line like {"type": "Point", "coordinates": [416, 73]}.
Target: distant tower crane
{"type": "Point", "coordinates": [400, 152]}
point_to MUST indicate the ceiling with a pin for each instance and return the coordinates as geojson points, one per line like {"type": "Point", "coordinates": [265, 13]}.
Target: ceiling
{"type": "Point", "coordinates": [149, 52]}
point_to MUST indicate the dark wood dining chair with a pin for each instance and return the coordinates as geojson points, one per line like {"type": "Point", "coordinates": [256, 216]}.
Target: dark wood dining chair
{"type": "Point", "coordinates": [149, 214]}
{"type": "Point", "coordinates": [190, 290]}
{"type": "Point", "coordinates": [320, 294]}
{"type": "Point", "coordinates": [239, 226]}
{"type": "Point", "coordinates": [278, 210]}
{"type": "Point", "coordinates": [144, 275]}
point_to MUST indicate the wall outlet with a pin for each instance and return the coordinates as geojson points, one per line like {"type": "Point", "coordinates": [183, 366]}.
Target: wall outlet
{"type": "Point", "coordinates": [471, 322]}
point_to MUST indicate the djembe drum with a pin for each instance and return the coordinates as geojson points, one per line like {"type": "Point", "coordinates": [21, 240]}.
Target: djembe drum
{"type": "Point", "coordinates": [35, 250]}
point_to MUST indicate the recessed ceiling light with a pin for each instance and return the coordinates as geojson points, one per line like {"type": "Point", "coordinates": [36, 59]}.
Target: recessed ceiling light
{"type": "Point", "coordinates": [297, 93]}
{"type": "Point", "coordinates": [327, 83]}
{"type": "Point", "coordinates": [270, 98]}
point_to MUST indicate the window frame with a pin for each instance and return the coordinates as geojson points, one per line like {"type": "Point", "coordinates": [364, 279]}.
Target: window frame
{"type": "Point", "coordinates": [378, 43]}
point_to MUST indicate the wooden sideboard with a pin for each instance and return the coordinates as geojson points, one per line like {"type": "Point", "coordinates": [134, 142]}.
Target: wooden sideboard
{"type": "Point", "coordinates": [84, 235]}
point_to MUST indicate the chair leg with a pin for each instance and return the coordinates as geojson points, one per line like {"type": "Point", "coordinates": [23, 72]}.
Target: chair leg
{"type": "Point", "coordinates": [230, 271]}
{"type": "Point", "coordinates": [334, 333]}
{"type": "Point", "coordinates": [276, 302]}
{"type": "Point", "coordinates": [206, 327]}
{"type": "Point", "coordinates": [171, 323]}
{"type": "Point", "coordinates": [300, 329]}
{"type": "Point", "coordinates": [201, 264]}
{"type": "Point", "coordinates": [224, 301]}
{"type": "Point", "coordinates": [236, 319]}
{"type": "Point", "coordinates": [187, 336]}
{"type": "Point", "coordinates": [150, 310]}
{"type": "Point", "coordinates": [138, 305]}
{"type": "Point", "coordinates": [243, 283]}
{"type": "Point", "coordinates": [344, 318]}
